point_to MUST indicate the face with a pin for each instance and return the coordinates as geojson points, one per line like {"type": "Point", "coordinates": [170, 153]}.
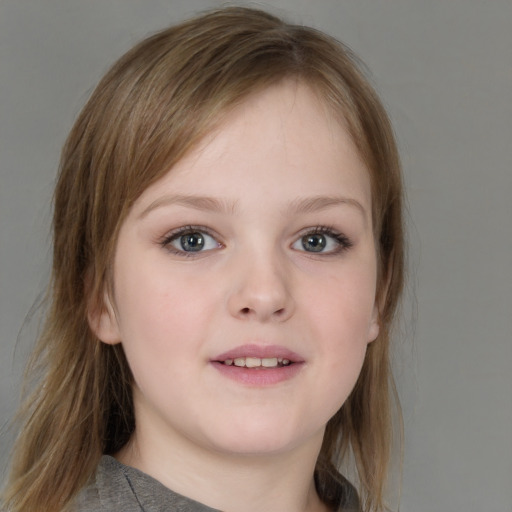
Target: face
{"type": "Point", "coordinates": [245, 281]}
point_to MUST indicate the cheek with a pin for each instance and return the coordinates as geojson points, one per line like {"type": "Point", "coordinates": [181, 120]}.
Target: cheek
{"type": "Point", "coordinates": [151, 296]}
{"type": "Point", "coordinates": [164, 312]}
{"type": "Point", "coordinates": [341, 317]}
{"type": "Point", "coordinates": [344, 306]}
{"type": "Point", "coordinates": [159, 327]}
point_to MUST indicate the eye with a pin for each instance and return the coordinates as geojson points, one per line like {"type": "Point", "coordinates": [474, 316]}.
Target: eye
{"type": "Point", "coordinates": [322, 240]}
{"type": "Point", "coordinates": [316, 242]}
{"type": "Point", "coordinates": [188, 240]}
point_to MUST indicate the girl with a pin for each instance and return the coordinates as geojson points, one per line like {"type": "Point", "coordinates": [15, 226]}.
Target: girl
{"type": "Point", "coordinates": [228, 258]}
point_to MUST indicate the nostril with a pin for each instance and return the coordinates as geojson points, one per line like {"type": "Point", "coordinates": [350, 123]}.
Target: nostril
{"type": "Point", "coordinates": [245, 311]}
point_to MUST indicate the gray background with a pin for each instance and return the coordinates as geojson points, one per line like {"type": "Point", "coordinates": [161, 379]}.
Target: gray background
{"type": "Point", "coordinates": [444, 71]}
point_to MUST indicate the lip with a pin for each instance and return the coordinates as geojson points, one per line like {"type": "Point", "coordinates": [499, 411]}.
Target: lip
{"type": "Point", "coordinates": [259, 377]}
{"type": "Point", "coordinates": [261, 351]}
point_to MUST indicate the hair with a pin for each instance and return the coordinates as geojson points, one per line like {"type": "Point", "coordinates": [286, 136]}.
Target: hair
{"type": "Point", "coordinates": [155, 104]}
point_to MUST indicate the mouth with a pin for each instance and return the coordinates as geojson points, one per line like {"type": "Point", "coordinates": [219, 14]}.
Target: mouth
{"type": "Point", "coordinates": [257, 363]}
{"type": "Point", "coordinates": [259, 366]}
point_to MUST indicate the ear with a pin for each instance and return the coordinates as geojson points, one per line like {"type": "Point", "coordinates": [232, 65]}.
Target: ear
{"type": "Point", "coordinates": [103, 322]}
{"type": "Point", "coordinates": [380, 303]}
{"type": "Point", "coordinates": [374, 326]}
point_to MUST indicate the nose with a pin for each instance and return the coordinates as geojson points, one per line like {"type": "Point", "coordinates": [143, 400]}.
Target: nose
{"type": "Point", "coordinates": [261, 290]}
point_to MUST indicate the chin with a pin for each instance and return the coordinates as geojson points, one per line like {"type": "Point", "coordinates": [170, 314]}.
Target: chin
{"type": "Point", "coordinates": [259, 439]}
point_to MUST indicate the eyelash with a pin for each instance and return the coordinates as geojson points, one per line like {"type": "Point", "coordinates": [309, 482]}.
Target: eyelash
{"type": "Point", "coordinates": [342, 241]}
{"type": "Point", "coordinates": [184, 230]}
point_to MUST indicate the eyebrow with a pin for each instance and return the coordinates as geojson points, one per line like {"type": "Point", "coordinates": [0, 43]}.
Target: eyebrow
{"type": "Point", "coordinates": [202, 203]}
{"type": "Point", "coordinates": [211, 204]}
{"type": "Point", "coordinates": [318, 203]}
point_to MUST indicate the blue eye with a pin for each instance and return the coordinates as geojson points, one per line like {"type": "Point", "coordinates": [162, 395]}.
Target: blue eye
{"type": "Point", "coordinates": [190, 240]}
{"type": "Point", "coordinates": [322, 240]}
{"type": "Point", "coordinates": [316, 242]}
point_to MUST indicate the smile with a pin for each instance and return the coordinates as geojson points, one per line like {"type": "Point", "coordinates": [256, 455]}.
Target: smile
{"type": "Point", "coordinates": [258, 363]}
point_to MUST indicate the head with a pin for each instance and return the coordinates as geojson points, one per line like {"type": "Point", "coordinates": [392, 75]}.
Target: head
{"type": "Point", "coordinates": [154, 106]}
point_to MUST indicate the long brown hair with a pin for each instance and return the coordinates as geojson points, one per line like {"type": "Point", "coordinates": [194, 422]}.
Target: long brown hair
{"type": "Point", "coordinates": [157, 102]}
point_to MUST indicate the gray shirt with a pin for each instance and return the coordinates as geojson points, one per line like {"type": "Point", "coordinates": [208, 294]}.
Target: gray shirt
{"type": "Point", "coordinates": [120, 488]}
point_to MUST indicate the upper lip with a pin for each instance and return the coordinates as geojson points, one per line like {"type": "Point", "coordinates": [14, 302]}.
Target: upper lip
{"type": "Point", "coordinates": [260, 351]}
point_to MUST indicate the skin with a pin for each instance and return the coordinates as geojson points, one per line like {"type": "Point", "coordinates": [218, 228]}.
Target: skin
{"type": "Point", "coordinates": [230, 444]}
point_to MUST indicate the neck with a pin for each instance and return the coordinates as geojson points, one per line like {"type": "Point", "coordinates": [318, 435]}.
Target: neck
{"type": "Point", "coordinates": [231, 482]}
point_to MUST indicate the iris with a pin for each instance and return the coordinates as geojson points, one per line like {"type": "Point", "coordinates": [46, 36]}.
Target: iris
{"type": "Point", "coordinates": [315, 242]}
{"type": "Point", "coordinates": [192, 242]}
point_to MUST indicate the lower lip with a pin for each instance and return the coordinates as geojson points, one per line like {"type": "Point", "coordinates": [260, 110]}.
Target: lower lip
{"type": "Point", "coordinates": [258, 376]}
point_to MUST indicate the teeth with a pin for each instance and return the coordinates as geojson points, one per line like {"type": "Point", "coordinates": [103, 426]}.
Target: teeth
{"type": "Point", "coordinates": [252, 362]}
{"type": "Point", "coordinates": [256, 362]}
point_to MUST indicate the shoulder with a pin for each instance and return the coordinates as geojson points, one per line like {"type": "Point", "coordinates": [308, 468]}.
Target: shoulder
{"type": "Point", "coordinates": [120, 488]}
{"type": "Point", "coordinates": [108, 491]}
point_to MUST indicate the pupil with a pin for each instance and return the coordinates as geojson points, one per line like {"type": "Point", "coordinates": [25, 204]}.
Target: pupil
{"type": "Point", "coordinates": [192, 242]}
{"type": "Point", "coordinates": [314, 243]}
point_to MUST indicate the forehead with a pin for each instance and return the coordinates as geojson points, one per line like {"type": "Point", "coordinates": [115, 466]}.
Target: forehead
{"type": "Point", "coordinates": [282, 139]}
